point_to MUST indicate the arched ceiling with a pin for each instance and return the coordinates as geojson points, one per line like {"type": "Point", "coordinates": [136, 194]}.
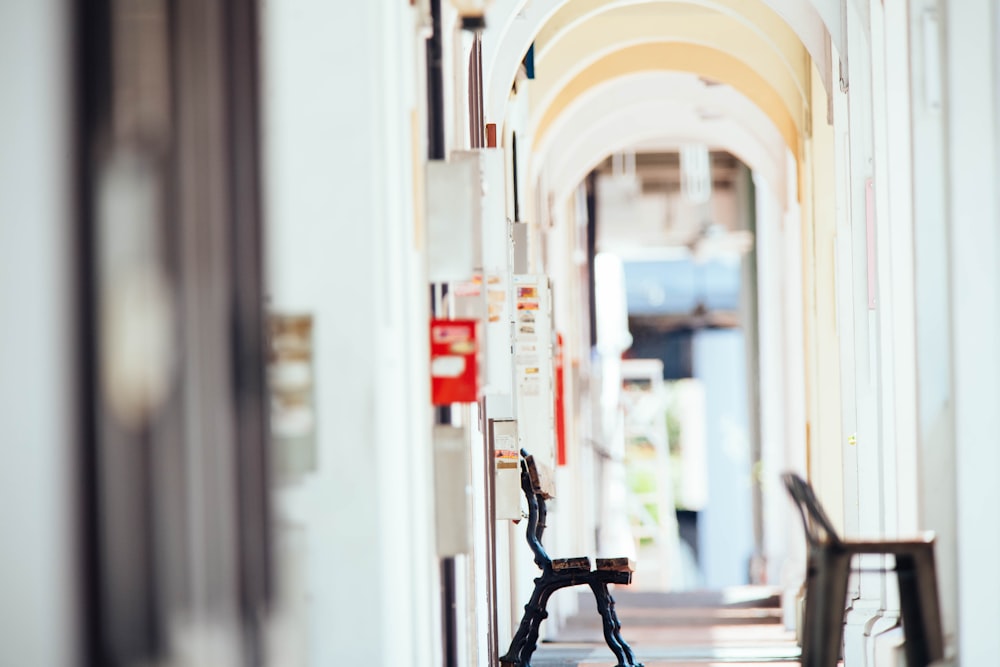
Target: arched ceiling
{"type": "Point", "coordinates": [762, 50]}
{"type": "Point", "coordinates": [765, 46]}
{"type": "Point", "coordinates": [700, 60]}
{"type": "Point", "coordinates": [623, 113]}
{"type": "Point", "coordinates": [516, 24]}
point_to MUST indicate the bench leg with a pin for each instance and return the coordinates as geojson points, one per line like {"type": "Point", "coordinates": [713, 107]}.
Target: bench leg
{"type": "Point", "coordinates": [826, 597]}
{"type": "Point", "coordinates": [531, 641]}
{"type": "Point", "coordinates": [526, 638]}
{"type": "Point", "coordinates": [612, 626]}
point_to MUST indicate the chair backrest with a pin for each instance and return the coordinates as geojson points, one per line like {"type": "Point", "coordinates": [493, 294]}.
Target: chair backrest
{"type": "Point", "coordinates": [819, 529]}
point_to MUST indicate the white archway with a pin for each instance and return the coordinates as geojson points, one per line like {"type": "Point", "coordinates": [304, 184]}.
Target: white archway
{"type": "Point", "coordinates": [516, 23]}
{"type": "Point", "coordinates": [666, 106]}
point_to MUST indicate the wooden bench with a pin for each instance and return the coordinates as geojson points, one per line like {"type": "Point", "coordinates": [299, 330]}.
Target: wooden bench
{"type": "Point", "coordinates": [561, 573]}
{"type": "Point", "coordinates": [827, 572]}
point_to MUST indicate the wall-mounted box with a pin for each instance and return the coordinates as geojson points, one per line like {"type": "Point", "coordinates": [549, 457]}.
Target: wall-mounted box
{"type": "Point", "coordinates": [496, 275]}
{"type": "Point", "coordinates": [452, 490]}
{"type": "Point", "coordinates": [454, 217]}
{"type": "Point", "coordinates": [519, 243]}
{"type": "Point", "coordinates": [506, 468]}
{"type": "Point", "coordinates": [454, 361]}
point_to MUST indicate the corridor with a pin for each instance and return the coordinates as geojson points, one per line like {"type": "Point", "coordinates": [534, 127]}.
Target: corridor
{"type": "Point", "coordinates": [730, 628]}
{"type": "Point", "coordinates": [292, 290]}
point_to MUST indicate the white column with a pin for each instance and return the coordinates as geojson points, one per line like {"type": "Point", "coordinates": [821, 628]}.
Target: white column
{"type": "Point", "coordinates": [973, 212]}
{"type": "Point", "coordinates": [895, 298]}
{"type": "Point", "coordinates": [784, 543]}
{"type": "Point", "coordinates": [342, 131]}
{"type": "Point", "coordinates": [935, 409]}
{"type": "Point", "coordinates": [37, 382]}
{"type": "Point", "coordinates": [896, 254]}
{"type": "Point", "coordinates": [826, 465]}
{"type": "Point", "coordinates": [863, 461]}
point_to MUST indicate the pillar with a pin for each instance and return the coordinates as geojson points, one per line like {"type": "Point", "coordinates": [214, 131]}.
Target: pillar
{"type": "Point", "coordinates": [343, 145]}
{"type": "Point", "coordinates": [37, 562]}
{"type": "Point", "coordinates": [935, 407]}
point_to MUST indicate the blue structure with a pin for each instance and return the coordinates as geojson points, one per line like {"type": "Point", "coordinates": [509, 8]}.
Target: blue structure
{"type": "Point", "coordinates": [716, 357]}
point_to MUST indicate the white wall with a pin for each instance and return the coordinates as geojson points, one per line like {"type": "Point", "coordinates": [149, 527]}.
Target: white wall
{"type": "Point", "coordinates": [37, 515]}
{"type": "Point", "coordinates": [344, 244]}
{"type": "Point", "coordinates": [973, 213]}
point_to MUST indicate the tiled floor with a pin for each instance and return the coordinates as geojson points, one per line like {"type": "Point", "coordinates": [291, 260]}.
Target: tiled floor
{"type": "Point", "coordinates": [737, 628]}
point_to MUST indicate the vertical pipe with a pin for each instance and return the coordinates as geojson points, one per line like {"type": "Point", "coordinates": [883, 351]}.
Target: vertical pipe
{"type": "Point", "coordinates": [751, 327]}
{"type": "Point", "coordinates": [477, 127]}
{"type": "Point", "coordinates": [436, 151]}
{"type": "Point", "coordinates": [435, 87]}
{"type": "Point", "coordinates": [448, 597]}
{"type": "Point", "coordinates": [592, 251]}
{"type": "Point", "coordinates": [91, 28]}
{"type": "Point", "coordinates": [517, 193]}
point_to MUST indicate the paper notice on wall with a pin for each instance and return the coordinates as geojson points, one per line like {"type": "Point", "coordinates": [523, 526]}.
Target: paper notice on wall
{"type": "Point", "coordinates": [496, 298]}
{"type": "Point", "coordinates": [532, 354]}
{"type": "Point", "coordinates": [526, 354]}
{"type": "Point", "coordinates": [497, 314]}
{"type": "Point", "coordinates": [507, 458]}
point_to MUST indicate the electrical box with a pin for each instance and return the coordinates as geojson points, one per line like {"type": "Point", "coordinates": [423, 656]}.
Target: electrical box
{"type": "Point", "coordinates": [519, 242]}
{"type": "Point", "coordinates": [454, 361]}
{"type": "Point", "coordinates": [497, 269]}
{"type": "Point", "coordinates": [454, 217]}
{"type": "Point", "coordinates": [533, 366]}
{"type": "Point", "coordinates": [452, 490]}
{"type": "Point", "coordinates": [507, 469]}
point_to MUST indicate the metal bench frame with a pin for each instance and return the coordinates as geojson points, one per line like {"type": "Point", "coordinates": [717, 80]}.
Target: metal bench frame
{"type": "Point", "coordinates": [562, 573]}
{"type": "Point", "coordinates": [827, 572]}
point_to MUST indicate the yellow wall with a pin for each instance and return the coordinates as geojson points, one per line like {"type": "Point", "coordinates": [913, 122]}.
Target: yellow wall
{"type": "Point", "coordinates": [823, 400]}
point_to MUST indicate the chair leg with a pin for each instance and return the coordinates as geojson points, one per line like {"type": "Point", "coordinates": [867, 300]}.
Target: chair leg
{"type": "Point", "coordinates": [826, 596]}
{"type": "Point", "coordinates": [612, 626]}
{"type": "Point", "coordinates": [924, 642]}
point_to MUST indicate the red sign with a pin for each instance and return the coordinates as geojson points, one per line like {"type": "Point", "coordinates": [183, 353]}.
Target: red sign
{"type": "Point", "coordinates": [560, 406]}
{"type": "Point", "coordinates": [454, 362]}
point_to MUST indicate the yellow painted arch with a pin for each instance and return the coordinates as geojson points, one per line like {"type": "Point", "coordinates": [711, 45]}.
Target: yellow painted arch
{"type": "Point", "coordinates": [697, 59]}
{"type": "Point", "coordinates": [762, 40]}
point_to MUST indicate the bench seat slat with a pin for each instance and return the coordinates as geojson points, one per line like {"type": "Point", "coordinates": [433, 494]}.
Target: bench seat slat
{"type": "Point", "coordinates": [621, 564]}
{"type": "Point", "coordinates": [581, 564]}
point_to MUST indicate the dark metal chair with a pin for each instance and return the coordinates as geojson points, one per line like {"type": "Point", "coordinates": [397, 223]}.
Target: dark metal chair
{"type": "Point", "coordinates": [561, 573]}
{"type": "Point", "coordinates": [827, 572]}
